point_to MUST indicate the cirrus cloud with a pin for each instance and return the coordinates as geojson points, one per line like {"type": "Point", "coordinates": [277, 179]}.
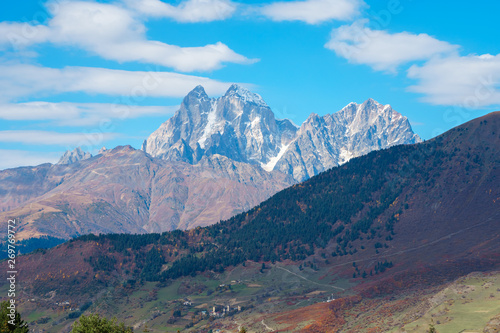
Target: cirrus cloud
{"type": "Point", "coordinates": [21, 80]}
{"type": "Point", "coordinates": [79, 114]}
{"type": "Point", "coordinates": [36, 137]}
{"type": "Point", "coordinates": [22, 34]}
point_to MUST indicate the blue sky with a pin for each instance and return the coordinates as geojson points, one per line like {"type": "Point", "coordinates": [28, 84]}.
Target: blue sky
{"type": "Point", "coordinates": [108, 73]}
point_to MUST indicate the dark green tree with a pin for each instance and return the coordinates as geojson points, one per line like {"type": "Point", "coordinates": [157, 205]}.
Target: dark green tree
{"type": "Point", "coordinates": [432, 329]}
{"type": "Point", "coordinates": [95, 324]}
{"type": "Point", "coordinates": [5, 317]}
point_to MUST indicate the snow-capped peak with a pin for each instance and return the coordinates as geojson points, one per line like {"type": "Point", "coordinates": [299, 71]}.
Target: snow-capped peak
{"type": "Point", "coordinates": [197, 93]}
{"type": "Point", "coordinates": [245, 95]}
{"type": "Point", "coordinates": [241, 127]}
{"type": "Point", "coordinates": [370, 105]}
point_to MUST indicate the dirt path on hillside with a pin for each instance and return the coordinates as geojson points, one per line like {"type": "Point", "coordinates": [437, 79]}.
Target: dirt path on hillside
{"type": "Point", "coordinates": [304, 278]}
{"type": "Point", "coordinates": [267, 327]}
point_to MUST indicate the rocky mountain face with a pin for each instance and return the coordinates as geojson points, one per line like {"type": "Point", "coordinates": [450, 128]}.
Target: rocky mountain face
{"type": "Point", "coordinates": [242, 127]}
{"type": "Point", "coordinates": [72, 156]}
{"type": "Point", "coordinates": [125, 190]}
{"type": "Point", "coordinates": [324, 142]}
{"type": "Point", "coordinates": [238, 125]}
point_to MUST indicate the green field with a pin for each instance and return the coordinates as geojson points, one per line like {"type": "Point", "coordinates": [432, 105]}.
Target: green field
{"type": "Point", "coordinates": [465, 306]}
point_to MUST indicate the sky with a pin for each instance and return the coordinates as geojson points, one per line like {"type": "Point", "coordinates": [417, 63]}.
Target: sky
{"type": "Point", "coordinates": [108, 73]}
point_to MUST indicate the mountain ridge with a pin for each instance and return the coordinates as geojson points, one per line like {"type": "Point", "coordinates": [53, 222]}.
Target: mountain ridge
{"type": "Point", "coordinates": [127, 190]}
{"type": "Point", "coordinates": [241, 126]}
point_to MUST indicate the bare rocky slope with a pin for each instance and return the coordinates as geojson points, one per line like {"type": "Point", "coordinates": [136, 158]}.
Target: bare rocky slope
{"type": "Point", "coordinates": [125, 190]}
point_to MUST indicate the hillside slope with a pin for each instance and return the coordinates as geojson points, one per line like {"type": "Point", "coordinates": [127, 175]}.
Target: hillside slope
{"type": "Point", "coordinates": [124, 190]}
{"type": "Point", "coordinates": [432, 201]}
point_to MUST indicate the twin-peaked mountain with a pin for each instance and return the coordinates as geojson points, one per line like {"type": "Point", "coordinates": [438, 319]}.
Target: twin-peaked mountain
{"type": "Point", "coordinates": [214, 158]}
{"type": "Point", "coordinates": [242, 127]}
{"type": "Point", "coordinates": [238, 125]}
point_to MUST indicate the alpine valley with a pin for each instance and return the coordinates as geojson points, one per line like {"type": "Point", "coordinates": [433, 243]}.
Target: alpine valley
{"type": "Point", "coordinates": [214, 158]}
{"type": "Point", "coordinates": [391, 240]}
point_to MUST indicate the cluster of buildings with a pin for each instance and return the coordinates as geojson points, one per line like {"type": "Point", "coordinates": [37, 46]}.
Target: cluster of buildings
{"type": "Point", "coordinates": [218, 310]}
{"type": "Point", "coordinates": [222, 311]}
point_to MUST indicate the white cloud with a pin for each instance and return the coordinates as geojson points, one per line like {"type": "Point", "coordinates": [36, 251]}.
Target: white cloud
{"type": "Point", "coordinates": [79, 114]}
{"type": "Point", "coordinates": [34, 137]}
{"type": "Point", "coordinates": [382, 50]}
{"type": "Point", "coordinates": [25, 80]}
{"type": "Point", "coordinates": [115, 33]}
{"type": "Point", "coordinates": [22, 35]}
{"type": "Point", "coordinates": [444, 78]}
{"type": "Point", "coordinates": [313, 11]}
{"type": "Point", "coordinates": [186, 59]}
{"type": "Point", "coordinates": [38, 111]}
{"type": "Point", "coordinates": [469, 81]}
{"type": "Point", "coordinates": [186, 11]}
{"type": "Point", "coordinates": [15, 158]}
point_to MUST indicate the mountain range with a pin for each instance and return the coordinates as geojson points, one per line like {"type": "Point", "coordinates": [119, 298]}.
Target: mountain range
{"type": "Point", "coordinates": [410, 216]}
{"type": "Point", "coordinates": [214, 158]}
{"type": "Point", "coordinates": [242, 127]}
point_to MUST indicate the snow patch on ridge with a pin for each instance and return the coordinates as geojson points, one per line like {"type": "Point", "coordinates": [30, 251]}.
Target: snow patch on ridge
{"type": "Point", "coordinates": [210, 126]}
{"type": "Point", "coordinates": [345, 155]}
{"type": "Point", "coordinates": [245, 95]}
{"type": "Point", "coordinates": [269, 166]}
{"type": "Point", "coordinates": [256, 132]}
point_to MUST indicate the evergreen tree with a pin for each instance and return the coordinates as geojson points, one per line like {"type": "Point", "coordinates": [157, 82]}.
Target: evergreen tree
{"type": "Point", "coordinates": [432, 329]}
{"type": "Point", "coordinates": [5, 327]}
{"type": "Point", "coordinates": [95, 324]}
